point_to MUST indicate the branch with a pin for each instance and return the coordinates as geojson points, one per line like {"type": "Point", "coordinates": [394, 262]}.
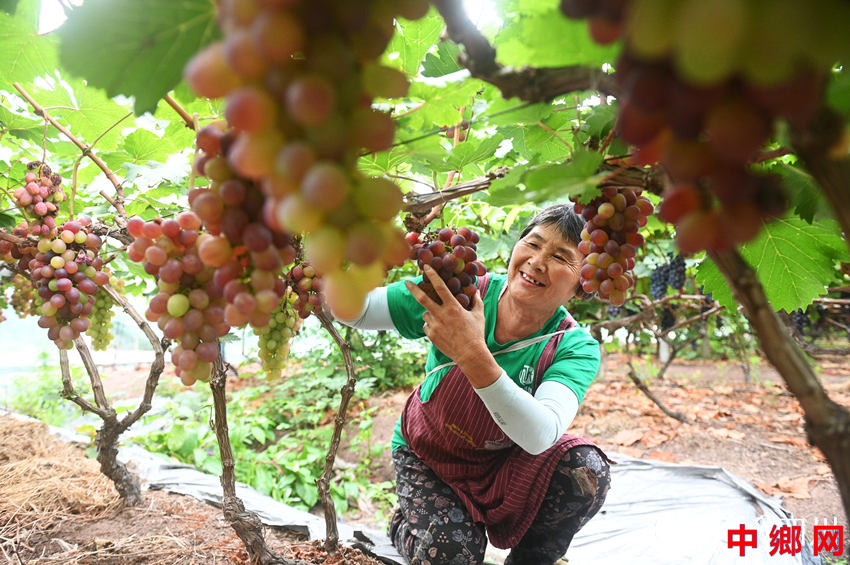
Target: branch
{"type": "Point", "coordinates": [527, 83]}
{"type": "Point", "coordinates": [187, 119]}
{"type": "Point", "coordinates": [633, 375]}
{"type": "Point", "coordinates": [423, 203]}
{"type": "Point", "coordinates": [245, 523]}
{"type": "Point", "coordinates": [159, 348]}
{"type": "Point", "coordinates": [69, 393]}
{"type": "Point", "coordinates": [117, 203]}
{"type": "Point", "coordinates": [332, 539]}
{"type": "Point", "coordinates": [714, 310]}
{"type": "Point", "coordinates": [94, 376]}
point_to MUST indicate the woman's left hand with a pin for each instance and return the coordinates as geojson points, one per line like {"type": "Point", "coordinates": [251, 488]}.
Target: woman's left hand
{"type": "Point", "coordinates": [457, 332]}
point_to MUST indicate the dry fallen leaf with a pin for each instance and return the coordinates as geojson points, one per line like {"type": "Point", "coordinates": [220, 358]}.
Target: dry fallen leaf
{"type": "Point", "coordinates": [724, 433]}
{"type": "Point", "coordinates": [631, 451]}
{"type": "Point", "coordinates": [796, 488]}
{"type": "Point", "coordinates": [661, 456]}
{"type": "Point", "coordinates": [627, 437]}
{"type": "Point", "coordinates": [795, 441]}
{"type": "Point", "coordinates": [654, 438]}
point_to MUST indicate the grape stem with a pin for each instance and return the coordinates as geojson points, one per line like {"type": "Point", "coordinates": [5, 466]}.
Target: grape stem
{"type": "Point", "coordinates": [187, 119]}
{"type": "Point", "coordinates": [118, 202]}
{"type": "Point", "coordinates": [347, 391]}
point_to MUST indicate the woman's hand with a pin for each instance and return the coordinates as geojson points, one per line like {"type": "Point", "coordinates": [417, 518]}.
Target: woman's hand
{"type": "Point", "coordinates": [457, 332]}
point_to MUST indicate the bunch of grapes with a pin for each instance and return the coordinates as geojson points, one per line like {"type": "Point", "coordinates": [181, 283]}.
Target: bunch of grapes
{"type": "Point", "coordinates": [24, 300]}
{"type": "Point", "coordinates": [668, 318]}
{"type": "Point", "coordinates": [38, 197]}
{"type": "Point", "coordinates": [704, 103]}
{"type": "Point", "coordinates": [452, 254]}
{"type": "Point", "coordinates": [189, 306]}
{"type": "Point", "coordinates": [677, 273]}
{"type": "Point", "coordinates": [101, 316]}
{"type": "Point", "coordinates": [610, 241]}
{"type": "Point", "coordinates": [299, 79]}
{"type": "Point", "coordinates": [801, 320]}
{"type": "Point", "coordinates": [658, 280]}
{"type": "Point", "coordinates": [66, 273]}
{"type": "Point", "coordinates": [275, 338]}
{"type": "Point", "coordinates": [247, 253]}
{"type": "Point", "coordinates": [307, 286]}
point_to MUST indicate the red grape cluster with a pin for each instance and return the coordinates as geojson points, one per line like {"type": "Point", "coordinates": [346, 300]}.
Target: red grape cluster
{"type": "Point", "coordinates": [246, 252]}
{"type": "Point", "coordinates": [704, 103]}
{"type": "Point", "coordinates": [452, 254]}
{"type": "Point", "coordinates": [299, 79]}
{"type": "Point", "coordinates": [66, 273]}
{"type": "Point", "coordinates": [38, 197]}
{"type": "Point", "coordinates": [610, 240]}
{"type": "Point", "coordinates": [307, 286]}
{"type": "Point", "coordinates": [190, 305]}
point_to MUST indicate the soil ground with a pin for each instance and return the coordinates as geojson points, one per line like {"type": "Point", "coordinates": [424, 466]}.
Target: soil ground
{"type": "Point", "coordinates": [751, 427]}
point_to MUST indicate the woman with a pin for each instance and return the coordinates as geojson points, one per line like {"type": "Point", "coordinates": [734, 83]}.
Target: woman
{"type": "Point", "coordinates": [481, 447]}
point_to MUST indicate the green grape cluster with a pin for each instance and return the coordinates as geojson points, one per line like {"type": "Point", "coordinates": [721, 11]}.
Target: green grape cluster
{"type": "Point", "coordinates": [275, 338]}
{"type": "Point", "coordinates": [101, 317]}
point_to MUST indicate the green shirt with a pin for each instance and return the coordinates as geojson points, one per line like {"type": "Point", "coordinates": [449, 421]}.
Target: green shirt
{"type": "Point", "coordinates": [575, 364]}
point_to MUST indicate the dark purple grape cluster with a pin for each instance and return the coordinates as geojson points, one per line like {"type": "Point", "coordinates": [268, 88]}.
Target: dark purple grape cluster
{"type": "Point", "coordinates": [452, 254]}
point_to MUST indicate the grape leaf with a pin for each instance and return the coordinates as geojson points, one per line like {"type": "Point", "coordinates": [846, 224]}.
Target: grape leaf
{"type": "Point", "coordinates": [6, 221]}
{"type": "Point", "coordinates": [792, 260]}
{"type": "Point", "coordinates": [531, 35]}
{"type": "Point", "coordinates": [805, 194]}
{"type": "Point", "coordinates": [473, 151]}
{"type": "Point", "coordinates": [136, 48]}
{"type": "Point", "coordinates": [8, 6]}
{"type": "Point", "coordinates": [442, 63]}
{"type": "Point", "coordinates": [25, 54]}
{"type": "Point", "coordinates": [412, 40]}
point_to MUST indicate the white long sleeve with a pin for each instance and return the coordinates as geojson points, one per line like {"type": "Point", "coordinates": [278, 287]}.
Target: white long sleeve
{"type": "Point", "coordinates": [375, 314]}
{"type": "Point", "coordinates": [533, 422]}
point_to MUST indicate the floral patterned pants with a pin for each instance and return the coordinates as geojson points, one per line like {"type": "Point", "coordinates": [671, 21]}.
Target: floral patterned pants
{"type": "Point", "coordinates": [431, 525]}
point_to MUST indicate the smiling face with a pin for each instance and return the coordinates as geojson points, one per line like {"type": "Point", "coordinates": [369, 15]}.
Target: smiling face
{"type": "Point", "coordinates": [544, 269]}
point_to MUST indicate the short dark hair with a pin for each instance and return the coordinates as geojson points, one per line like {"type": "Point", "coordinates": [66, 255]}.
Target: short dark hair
{"type": "Point", "coordinates": [570, 224]}
{"type": "Point", "coordinates": [562, 216]}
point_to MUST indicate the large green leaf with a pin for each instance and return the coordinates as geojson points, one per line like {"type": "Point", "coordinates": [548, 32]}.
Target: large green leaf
{"type": "Point", "coordinates": [806, 196]}
{"type": "Point", "coordinates": [8, 6]}
{"type": "Point", "coordinates": [136, 47]}
{"type": "Point", "coordinates": [24, 54]}
{"type": "Point", "coordinates": [473, 151]}
{"type": "Point", "coordinates": [412, 40]}
{"type": "Point", "coordinates": [443, 62]}
{"type": "Point", "coordinates": [540, 35]}
{"type": "Point", "coordinates": [792, 259]}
